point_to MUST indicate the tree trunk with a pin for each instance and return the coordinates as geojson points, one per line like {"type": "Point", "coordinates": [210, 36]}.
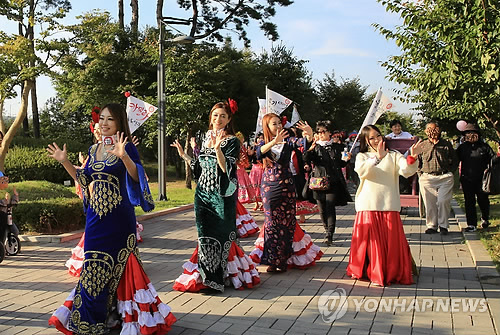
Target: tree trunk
{"type": "Point", "coordinates": [121, 20]}
{"type": "Point", "coordinates": [189, 151]}
{"type": "Point", "coordinates": [21, 115]}
{"type": "Point", "coordinates": [26, 125]}
{"type": "Point", "coordinates": [134, 22]}
{"type": "Point", "coordinates": [34, 111]}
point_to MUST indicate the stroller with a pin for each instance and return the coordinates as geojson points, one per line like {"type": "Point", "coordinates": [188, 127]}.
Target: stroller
{"type": "Point", "coordinates": [9, 241]}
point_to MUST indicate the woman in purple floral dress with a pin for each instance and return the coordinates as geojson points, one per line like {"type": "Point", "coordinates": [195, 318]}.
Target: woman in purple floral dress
{"type": "Point", "coordinates": [281, 242]}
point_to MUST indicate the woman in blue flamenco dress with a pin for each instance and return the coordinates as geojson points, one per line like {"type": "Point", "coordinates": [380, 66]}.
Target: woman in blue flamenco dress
{"type": "Point", "coordinates": [217, 261]}
{"type": "Point", "coordinates": [113, 289]}
{"type": "Point", "coordinates": [282, 243]}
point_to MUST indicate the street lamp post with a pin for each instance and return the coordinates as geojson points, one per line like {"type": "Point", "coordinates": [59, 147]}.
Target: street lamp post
{"type": "Point", "coordinates": [162, 185]}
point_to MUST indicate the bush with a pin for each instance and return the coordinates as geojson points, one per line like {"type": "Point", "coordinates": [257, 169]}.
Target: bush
{"type": "Point", "coordinates": [23, 163]}
{"type": "Point", "coordinates": [49, 216]}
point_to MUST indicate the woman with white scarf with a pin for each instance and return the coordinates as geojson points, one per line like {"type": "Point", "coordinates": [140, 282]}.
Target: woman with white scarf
{"type": "Point", "coordinates": [326, 156]}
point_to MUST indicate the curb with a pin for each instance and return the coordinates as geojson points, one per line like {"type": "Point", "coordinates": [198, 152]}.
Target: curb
{"type": "Point", "coordinates": [60, 238]}
{"type": "Point", "coordinates": [486, 269]}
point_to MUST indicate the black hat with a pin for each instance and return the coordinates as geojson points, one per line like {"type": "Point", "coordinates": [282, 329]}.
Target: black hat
{"type": "Point", "coordinates": [471, 127]}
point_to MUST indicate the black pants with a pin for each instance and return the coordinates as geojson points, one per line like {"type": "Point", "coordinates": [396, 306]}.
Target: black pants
{"type": "Point", "coordinates": [326, 206]}
{"type": "Point", "coordinates": [3, 226]}
{"type": "Point", "coordinates": [472, 190]}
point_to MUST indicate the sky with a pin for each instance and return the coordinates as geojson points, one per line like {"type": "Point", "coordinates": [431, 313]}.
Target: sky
{"type": "Point", "coordinates": [334, 36]}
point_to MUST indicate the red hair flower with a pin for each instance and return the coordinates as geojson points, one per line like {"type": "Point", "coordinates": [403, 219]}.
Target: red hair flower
{"type": "Point", "coordinates": [232, 105]}
{"type": "Point", "coordinates": [284, 120]}
{"type": "Point", "coordinates": [95, 114]}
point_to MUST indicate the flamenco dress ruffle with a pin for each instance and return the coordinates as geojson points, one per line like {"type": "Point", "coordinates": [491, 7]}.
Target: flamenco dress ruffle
{"type": "Point", "coordinates": [379, 249]}
{"type": "Point", "coordinates": [138, 304]}
{"type": "Point", "coordinates": [241, 272]}
{"type": "Point", "coordinates": [305, 253]}
{"type": "Point", "coordinates": [245, 224]}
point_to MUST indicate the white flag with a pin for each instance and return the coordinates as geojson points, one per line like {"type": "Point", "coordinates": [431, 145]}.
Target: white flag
{"type": "Point", "coordinates": [138, 112]}
{"type": "Point", "coordinates": [295, 115]}
{"type": "Point", "coordinates": [275, 102]}
{"type": "Point", "coordinates": [380, 105]}
{"type": "Point", "coordinates": [262, 112]}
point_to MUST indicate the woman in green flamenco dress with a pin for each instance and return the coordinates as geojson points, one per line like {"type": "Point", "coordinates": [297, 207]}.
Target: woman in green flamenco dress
{"type": "Point", "coordinates": [217, 260]}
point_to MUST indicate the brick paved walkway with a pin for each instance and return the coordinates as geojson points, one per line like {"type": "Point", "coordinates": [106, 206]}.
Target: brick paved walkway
{"type": "Point", "coordinates": [34, 283]}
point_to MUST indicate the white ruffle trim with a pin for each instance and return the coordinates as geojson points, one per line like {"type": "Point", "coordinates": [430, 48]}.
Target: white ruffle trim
{"type": "Point", "coordinates": [305, 259]}
{"type": "Point", "coordinates": [239, 266]}
{"type": "Point", "coordinates": [63, 313]}
{"type": "Point", "coordinates": [259, 243]}
{"type": "Point", "coordinates": [302, 244]}
{"type": "Point", "coordinates": [74, 263]}
{"type": "Point", "coordinates": [77, 252]}
{"type": "Point", "coordinates": [190, 267]}
{"type": "Point", "coordinates": [243, 218]}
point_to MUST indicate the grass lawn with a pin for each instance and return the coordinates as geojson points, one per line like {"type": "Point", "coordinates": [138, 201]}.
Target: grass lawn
{"type": "Point", "coordinates": [491, 235]}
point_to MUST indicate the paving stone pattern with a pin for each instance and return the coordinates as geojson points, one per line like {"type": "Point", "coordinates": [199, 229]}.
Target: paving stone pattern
{"type": "Point", "coordinates": [34, 283]}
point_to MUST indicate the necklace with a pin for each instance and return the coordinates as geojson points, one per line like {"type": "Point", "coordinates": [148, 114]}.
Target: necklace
{"type": "Point", "coordinates": [105, 152]}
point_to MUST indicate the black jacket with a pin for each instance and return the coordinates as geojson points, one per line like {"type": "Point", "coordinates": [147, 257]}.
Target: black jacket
{"type": "Point", "coordinates": [327, 161]}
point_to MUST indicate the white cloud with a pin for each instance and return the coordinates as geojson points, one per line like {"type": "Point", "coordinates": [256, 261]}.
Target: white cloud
{"type": "Point", "coordinates": [303, 27]}
{"type": "Point", "coordinates": [338, 46]}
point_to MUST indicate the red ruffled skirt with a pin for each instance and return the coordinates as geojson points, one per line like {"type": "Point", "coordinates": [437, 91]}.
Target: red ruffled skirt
{"type": "Point", "coordinates": [379, 249]}
{"type": "Point", "coordinates": [138, 304]}
{"type": "Point", "coordinates": [305, 252]}
{"type": "Point", "coordinates": [305, 207]}
{"type": "Point", "coordinates": [245, 224]}
{"type": "Point", "coordinates": [247, 193]}
{"type": "Point", "coordinates": [240, 269]}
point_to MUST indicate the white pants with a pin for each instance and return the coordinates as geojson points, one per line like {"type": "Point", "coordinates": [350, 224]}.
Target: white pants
{"type": "Point", "coordinates": [437, 192]}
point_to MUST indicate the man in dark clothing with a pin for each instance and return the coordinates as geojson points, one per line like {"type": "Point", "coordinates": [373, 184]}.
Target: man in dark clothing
{"type": "Point", "coordinates": [474, 156]}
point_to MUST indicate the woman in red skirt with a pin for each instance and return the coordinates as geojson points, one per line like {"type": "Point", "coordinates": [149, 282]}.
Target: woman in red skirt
{"type": "Point", "coordinates": [379, 249]}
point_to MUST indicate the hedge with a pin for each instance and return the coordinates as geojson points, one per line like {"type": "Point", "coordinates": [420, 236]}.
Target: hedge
{"type": "Point", "coordinates": [23, 163]}
{"type": "Point", "coordinates": [49, 216]}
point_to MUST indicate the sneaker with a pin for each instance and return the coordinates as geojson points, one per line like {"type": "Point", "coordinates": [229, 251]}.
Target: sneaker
{"type": "Point", "coordinates": [485, 223]}
{"type": "Point", "coordinates": [470, 229]}
{"type": "Point", "coordinates": [431, 231]}
{"type": "Point", "coordinates": [443, 231]}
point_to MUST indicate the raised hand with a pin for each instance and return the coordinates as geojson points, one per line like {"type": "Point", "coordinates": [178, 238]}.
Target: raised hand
{"type": "Point", "coordinates": [381, 150]}
{"type": "Point", "coordinates": [119, 147]}
{"type": "Point", "coordinates": [416, 149]}
{"type": "Point", "coordinates": [218, 139]}
{"type": "Point", "coordinates": [306, 129]}
{"type": "Point", "coordinates": [280, 136]}
{"type": "Point", "coordinates": [192, 142]}
{"type": "Point", "coordinates": [179, 148]}
{"type": "Point", "coordinates": [135, 140]}
{"type": "Point", "coordinates": [55, 152]}
{"type": "Point", "coordinates": [81, 159]}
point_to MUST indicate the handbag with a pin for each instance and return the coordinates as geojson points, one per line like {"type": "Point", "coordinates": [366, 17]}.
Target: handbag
{"type": "Point", "coordinates": [319, 183]}
{"type": "Point", "coordinates": [491, 179]}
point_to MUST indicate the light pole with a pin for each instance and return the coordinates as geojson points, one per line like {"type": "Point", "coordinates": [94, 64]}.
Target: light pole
{"type": "Point", "coordinates": [162, 185]}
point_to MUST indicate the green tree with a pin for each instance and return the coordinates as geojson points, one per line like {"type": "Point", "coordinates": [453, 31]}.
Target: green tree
{"type": "Point", "coordinates": [450, 57]}
{"type": "Point", "coordinates": [209, 17]}
{"type": "Point", "coordinates": [285, 73]}
{"type": "Point", "coordinates": [345, 103]}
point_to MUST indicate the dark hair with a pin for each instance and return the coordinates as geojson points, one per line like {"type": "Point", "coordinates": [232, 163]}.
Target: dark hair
{"type": "Point", "coordinates": [327, 124]}
{"type": "Point", "coordinates": [118, 113]}
{"type": "Point", "coordinates": [363, 137]}
{"type": "Point", "coordinates": [225, 106]}
{"type": "Point", "coordinates": [395, 122]}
